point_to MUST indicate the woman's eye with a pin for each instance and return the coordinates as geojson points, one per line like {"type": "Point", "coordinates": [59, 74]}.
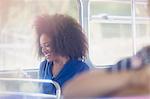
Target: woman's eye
{"type": "Point", "coordinates": [47, 45]}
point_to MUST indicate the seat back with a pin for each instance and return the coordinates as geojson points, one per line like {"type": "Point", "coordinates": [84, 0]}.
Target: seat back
{"type": "Point", "coordinates": [16, 88]}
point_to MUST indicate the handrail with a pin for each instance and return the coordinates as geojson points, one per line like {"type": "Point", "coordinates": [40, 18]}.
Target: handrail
{"type": "Point", "coordinates": [27, 94]}
{"type": "Point", "coordinates": [58, 89]}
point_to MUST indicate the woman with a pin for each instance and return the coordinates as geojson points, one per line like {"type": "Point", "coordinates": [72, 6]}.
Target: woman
{"type": "Point", "coordinates": [62, 42]}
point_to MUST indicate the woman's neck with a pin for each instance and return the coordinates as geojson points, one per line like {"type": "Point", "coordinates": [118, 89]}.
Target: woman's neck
{"type": "Point", "coordinates": [59, 64]}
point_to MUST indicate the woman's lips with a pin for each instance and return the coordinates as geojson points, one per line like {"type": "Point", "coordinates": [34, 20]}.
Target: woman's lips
{"type": "Point", "coordinates": [47, 55]}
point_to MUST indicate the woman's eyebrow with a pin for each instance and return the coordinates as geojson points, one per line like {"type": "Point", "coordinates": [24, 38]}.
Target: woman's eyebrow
{"type": "Point", "coordinates": [45, 42]}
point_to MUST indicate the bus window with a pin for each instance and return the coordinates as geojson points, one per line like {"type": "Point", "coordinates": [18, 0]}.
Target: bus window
{"type": "Point", "coordinates": [111, 32]}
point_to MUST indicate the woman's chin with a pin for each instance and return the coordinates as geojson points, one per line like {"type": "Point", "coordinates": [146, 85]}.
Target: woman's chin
{"type": "Point", "coordinates": [48, 59]}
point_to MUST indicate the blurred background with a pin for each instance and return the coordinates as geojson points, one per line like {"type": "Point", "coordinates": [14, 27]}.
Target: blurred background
{"type": "Point", "coordinates": [115, 29]}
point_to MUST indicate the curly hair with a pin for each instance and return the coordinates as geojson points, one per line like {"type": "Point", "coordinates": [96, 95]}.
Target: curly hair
{"type": "Point", "coordinates": [66, 34]}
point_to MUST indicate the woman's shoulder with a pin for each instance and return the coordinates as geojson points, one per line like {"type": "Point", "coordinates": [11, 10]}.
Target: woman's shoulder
{"type": "Point", "coordinates": [82, 64]}
{"type": "Point", "coordinates": [44, 63]}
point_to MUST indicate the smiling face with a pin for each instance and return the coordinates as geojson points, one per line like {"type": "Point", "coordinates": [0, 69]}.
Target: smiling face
{"type": "Point", "coordinates": [46, 47]}
{"type": "Point", "coordinates": [67, 38]}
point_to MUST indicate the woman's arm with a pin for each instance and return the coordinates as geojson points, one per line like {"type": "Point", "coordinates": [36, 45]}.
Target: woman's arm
{"type": "Point", "coordinates": [97, 83]}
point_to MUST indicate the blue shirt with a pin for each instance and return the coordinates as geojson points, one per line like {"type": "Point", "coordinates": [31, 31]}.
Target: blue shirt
{"type": "Point", "coordinates": [70, 69]}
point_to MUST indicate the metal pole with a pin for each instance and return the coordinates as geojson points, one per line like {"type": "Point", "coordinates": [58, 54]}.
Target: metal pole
{"type": "Point", "coordinates": [133, 23]}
